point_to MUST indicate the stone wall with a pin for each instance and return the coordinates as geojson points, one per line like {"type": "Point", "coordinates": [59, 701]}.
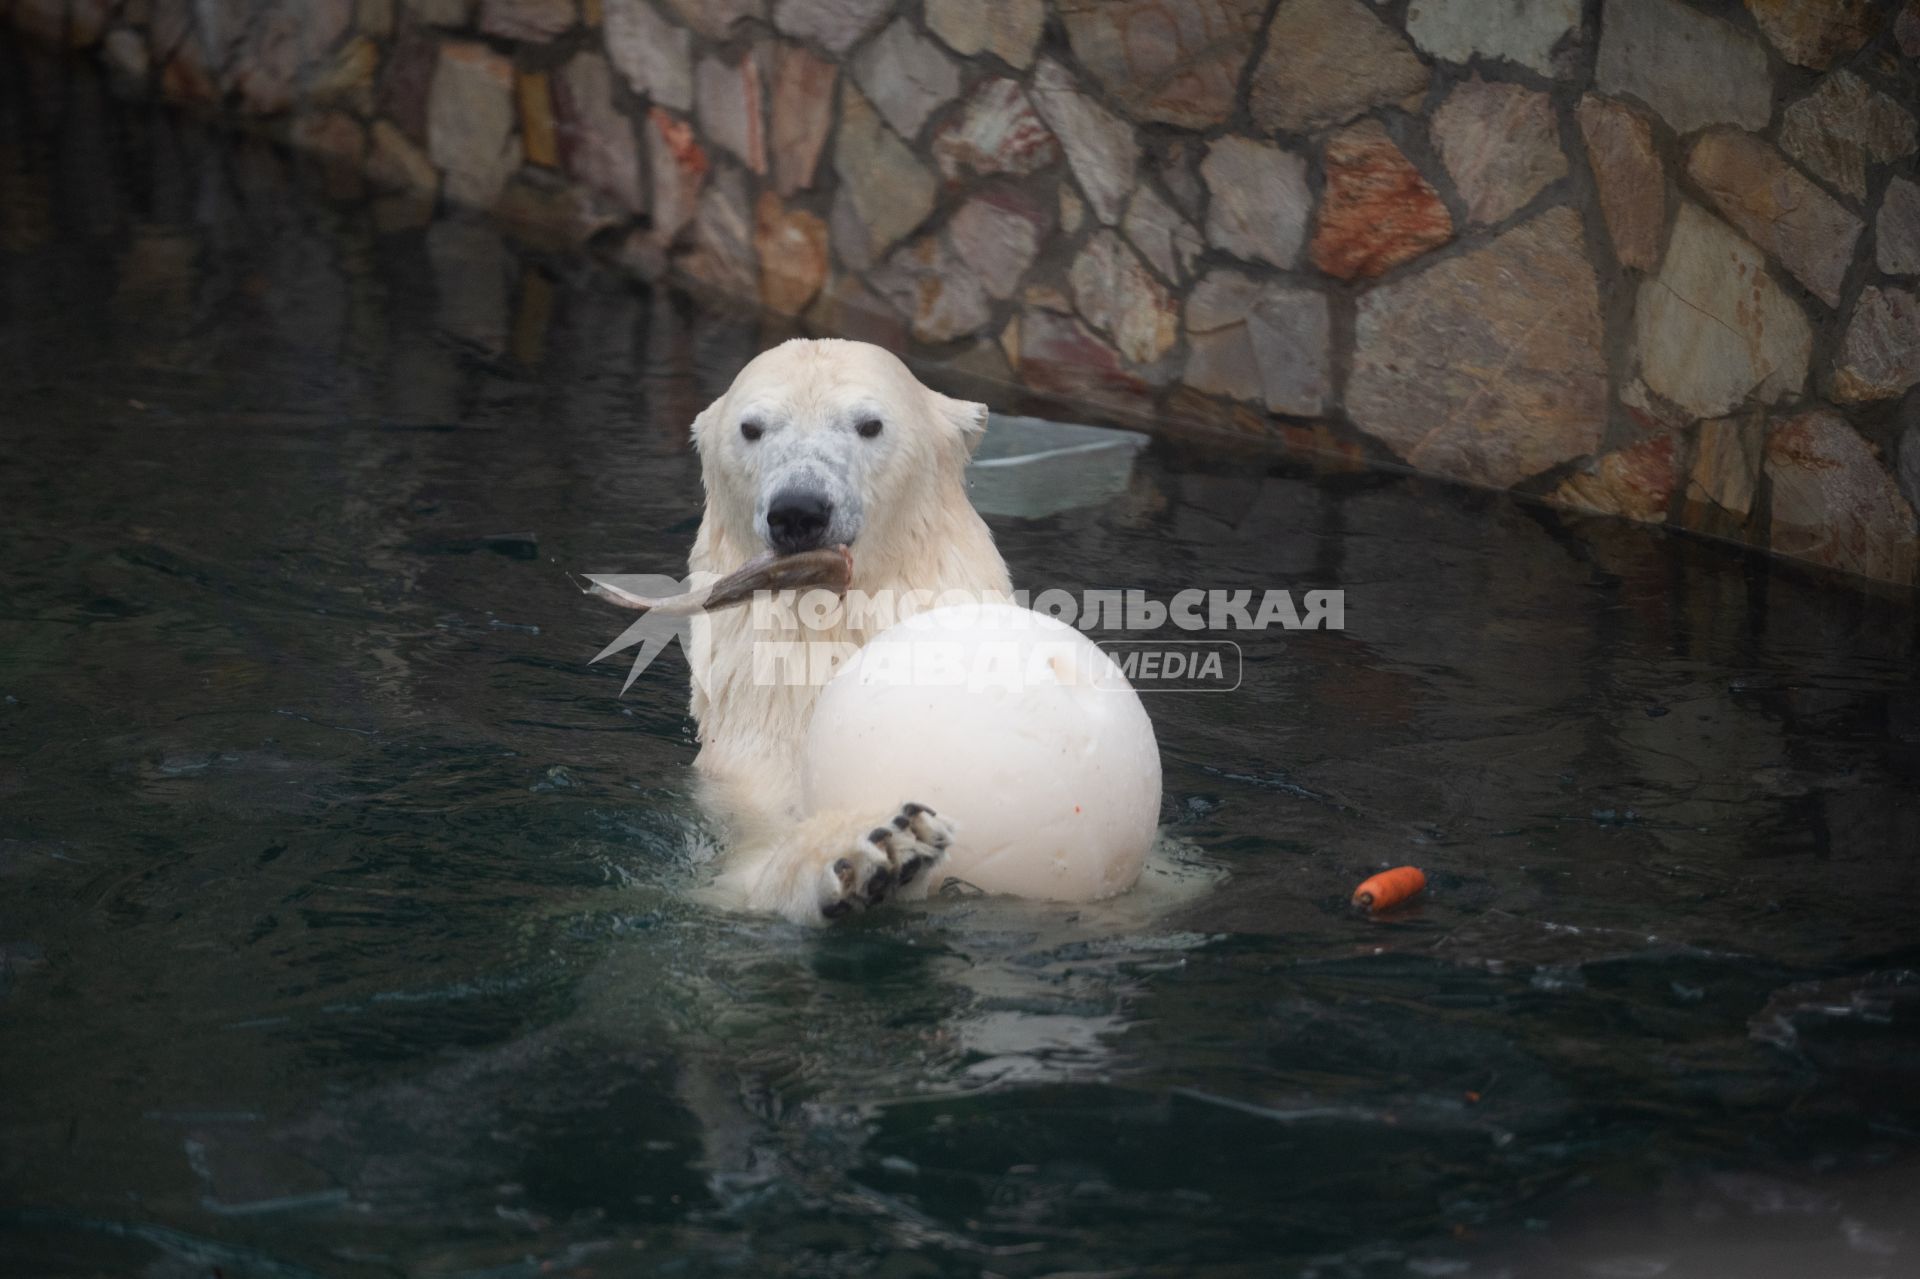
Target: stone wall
{"type": "Point", "coordinates": [1644, 258]}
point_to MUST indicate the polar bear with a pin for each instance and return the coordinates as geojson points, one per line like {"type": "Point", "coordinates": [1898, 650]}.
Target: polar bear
{"type": "Point", "coordinates": [819, 443]}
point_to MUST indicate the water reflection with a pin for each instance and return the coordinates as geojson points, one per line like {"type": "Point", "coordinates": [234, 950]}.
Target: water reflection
{"type": "Point", "coordinates": [344, 912]}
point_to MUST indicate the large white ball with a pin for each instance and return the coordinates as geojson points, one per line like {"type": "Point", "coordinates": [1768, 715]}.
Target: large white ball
{"type": "Point", "coordinates": [1013, 725]}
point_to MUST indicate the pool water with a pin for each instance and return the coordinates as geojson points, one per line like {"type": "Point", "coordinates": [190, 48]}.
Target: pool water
{"type": "Point", "coordinates": [345, 914]}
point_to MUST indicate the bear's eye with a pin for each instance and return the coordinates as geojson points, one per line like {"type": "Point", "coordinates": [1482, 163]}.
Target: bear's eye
{"type": "Point", "coordinates": [869, 428]}
{"type": "Point", "coordinates": [752, 430]}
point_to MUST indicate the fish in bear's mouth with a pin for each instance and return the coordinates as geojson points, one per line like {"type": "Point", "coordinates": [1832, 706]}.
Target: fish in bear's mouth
{"type": "Point", "coordinates": [830, 567]}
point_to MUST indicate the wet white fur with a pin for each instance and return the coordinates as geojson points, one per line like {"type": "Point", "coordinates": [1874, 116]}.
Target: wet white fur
{"type": "Point", "coordinates": [901, 499]}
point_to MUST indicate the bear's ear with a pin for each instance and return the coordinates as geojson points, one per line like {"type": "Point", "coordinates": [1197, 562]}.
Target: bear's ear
{"type": "Point", "coordinates": [966, 417]}
{"type": "Point", "coordinates": [703, 419]}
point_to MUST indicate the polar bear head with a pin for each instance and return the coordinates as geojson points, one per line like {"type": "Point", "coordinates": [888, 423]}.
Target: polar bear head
{"type": "Point", "coordinates": [823, 442]}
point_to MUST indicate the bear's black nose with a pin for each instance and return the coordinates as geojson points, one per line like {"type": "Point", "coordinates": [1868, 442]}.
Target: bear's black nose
{"type": "Point", "coordinates": [797, 520]}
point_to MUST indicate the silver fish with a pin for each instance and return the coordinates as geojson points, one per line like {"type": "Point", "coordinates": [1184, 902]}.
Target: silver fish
{"type": "Point", "coordinates": [831, 568]}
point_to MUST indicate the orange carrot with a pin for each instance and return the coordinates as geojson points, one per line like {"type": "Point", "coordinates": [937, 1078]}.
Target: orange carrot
{"type": "Point", "coordinates": [1389, 888]}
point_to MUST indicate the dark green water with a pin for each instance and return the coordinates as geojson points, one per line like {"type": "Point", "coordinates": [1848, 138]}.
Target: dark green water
{"type": "Point", "coordinates": [343, 904]}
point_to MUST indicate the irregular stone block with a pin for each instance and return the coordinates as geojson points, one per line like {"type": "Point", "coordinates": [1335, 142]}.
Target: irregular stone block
{"type": "Point", "coordinates": [793, 254]}
{"type": "Point", "coordinates": [802, 110]}
{"type": "Point", "coordinates": [470, 117]}
{"type": "Point", "coordinates": [727, 102]}
{"type": "Point", "coordinates": [722, 257]}
{"type": "Point", "coordinates": [1008, 29]}
{"type": "Point", "coordinates": [346, 79]}
{"type": "Point", "coordinates": [1725, 478]}
{"type": "Point", "coordinates": [1813, 33]}
{"type": "Point", "coordinates": [1047, 298]}
{"type": "Point", "coordinates": [535, 21]}
{"type": "Point", "coordinates": [393, 162]}
{"type": "Point", "coordinates": [1522, 31]}
{"type": "Point", "coordinates": [552, 217]}
{"type": "Point", "coordinates": [322, 25]}
{"type": "Point", "coordinates": [998, 233]}
{"type": "Point", "coordinates": [1173, 61]}
{"type": "Point", "coordinates": [1260, 201]}
{"type": "Point", "coordinates": [997, 131]}
{"type": "Point", "coordinates": [935, 290]}
{"type": "Point", "coordinates": [1487, 367]}
{"type": "Point", "coordinates": [1844, 126]}
{"type": "Point", "coordinates": [847, 232]}
{"type": "Point", "coordinates": [1100, 146]}
{"type": "Point", "coordinates": [1177, 163]}
{"type": "Point", "coordinates": [652, 54]}
{"type": "Point", "coordinates": [406, 81]}
{"type": "Point", "coordinates": [1627, 173]}
{"type": "Point", "coordinates": [1328, 61]}
{"type": "Point", "coordinates": [1713, 328]}
{"type": "Point", "coordinates": [1265, 343]}
{"type": "Point", "coordinates": [984, 361]}
{"type": "Point", "coordinates": [1500, 143]}
{"type": "Point", "coordinates": [1879, 354]}
{"type": "Point", "coordinates": [837, 24]}
{"type": "Point", "coordinates": [886, 188]}
{"type": "Point", "coordinates": [596, 141]}
{"type": "Point", "coordinates": [716, 19]}
{"type": "Point", "coordinates": [259, 83]}
{"type": "Point", "coordinates": [847, 307]}
{"type": "Point", "coordinates": [265, 57]}
{"type": "Point", "coordinates": [1833, 502]}
{"type": "Point", "coordinates": [1777, 208]}
{"type": "Point", "coordinates": [1377, 211]}
{"type": "Point", "coordinates": [1058, 355]}
{"type": "Point", "coordinates": [1119, 296]}
{"type": "Point", "coordinates": [1652, 412]}
{"type": "Point", "coordinates": [1634, 483]}
{"type": "Point", "coordinates": [1073, 210]}
{"type": "Point", "coordinates": [906, 77]}
{"type": "Point", "coordinates": [677, 165]}
{"type": "Point", "coordinates": [1168, 241]}
{"type": "Point", "coordinates": [537, 136]}
{"type": "Point", "coordinates": [1897, 233]}
{"type": "Point", "coordinates": [1692, 69]}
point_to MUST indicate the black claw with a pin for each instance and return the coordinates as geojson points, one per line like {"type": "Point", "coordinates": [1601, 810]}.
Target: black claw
{"type": "Point", "coordinates": [914, 810]}
{"type": "Point", "coordinates": [833, 910]}
{"type": "Point", "coordinates": [911, 870]}
{"type": "Point", "coordinates": [877, 886]}
{"type": "Point", "coordinates": [901, 823]}
{"type": "Point", "coordinates": [879, 835]}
